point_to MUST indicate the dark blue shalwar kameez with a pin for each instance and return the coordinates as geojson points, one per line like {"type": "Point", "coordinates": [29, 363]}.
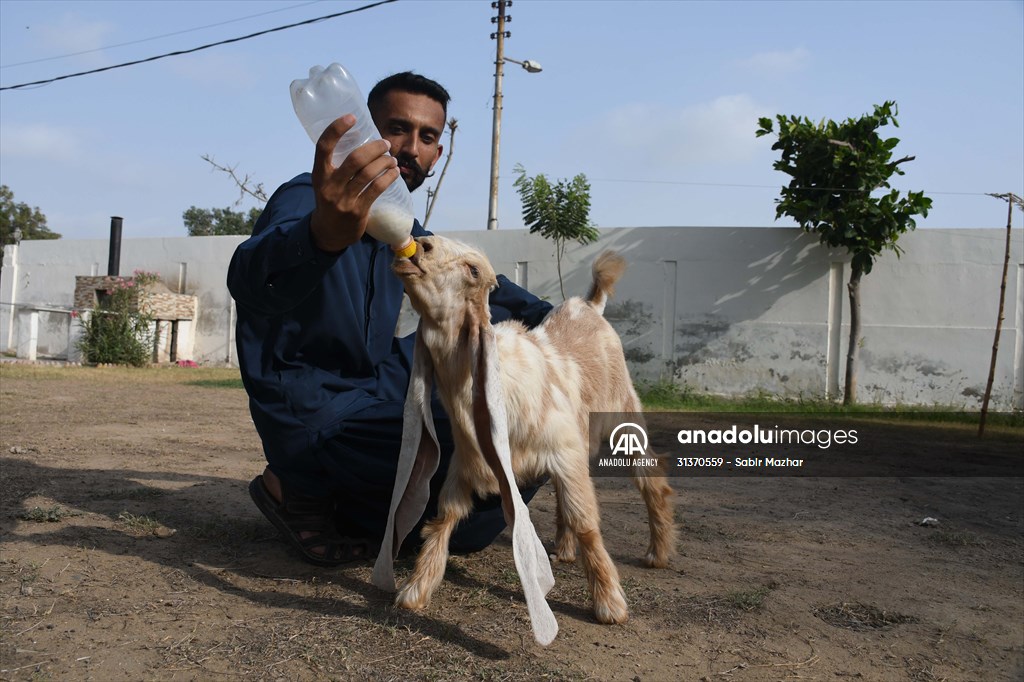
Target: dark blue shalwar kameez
{"type": "Point", "coordinates": [325, 374]}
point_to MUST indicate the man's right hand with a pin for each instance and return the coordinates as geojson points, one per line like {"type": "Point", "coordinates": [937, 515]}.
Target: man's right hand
{"type": "Point", "coordinates": [344, 194]}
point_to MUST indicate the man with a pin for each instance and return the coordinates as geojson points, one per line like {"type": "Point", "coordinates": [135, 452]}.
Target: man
{"type": "Point", "coordinates": [317, 311]}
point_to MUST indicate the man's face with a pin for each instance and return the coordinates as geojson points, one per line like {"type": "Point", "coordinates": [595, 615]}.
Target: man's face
{"type": "Point", "coordinates": [413, 124]}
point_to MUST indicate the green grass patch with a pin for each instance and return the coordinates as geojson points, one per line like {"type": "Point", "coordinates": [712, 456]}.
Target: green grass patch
{"type": "Point", "coordinates": [668, 396]}
{"type": "Point", "coordinates": [139, 524]}
{"type": "Point", "coordinates": [137, 493]}
{"type": "Point", "coordinates": [956, 538]}
{"type": "Point", "coordinates": [51, 515]}
{"type": "Point", "coordinates": [218, 383]}
{"type": "Point", "coordinates": [748, 600]}
{"type": "Point", "coordinates": [665, 396]}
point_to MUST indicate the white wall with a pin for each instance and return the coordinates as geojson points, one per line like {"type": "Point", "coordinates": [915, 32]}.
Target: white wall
{"type": "Point", "coordinates": [723, 310]}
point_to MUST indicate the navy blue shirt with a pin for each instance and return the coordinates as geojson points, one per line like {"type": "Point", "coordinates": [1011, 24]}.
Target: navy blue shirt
{"type": "Point", "coordinates": [316, 331]}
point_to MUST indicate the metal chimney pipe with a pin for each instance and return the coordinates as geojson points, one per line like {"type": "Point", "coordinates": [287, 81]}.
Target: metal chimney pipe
{"type": "Point", "coordinates": [114, 263]}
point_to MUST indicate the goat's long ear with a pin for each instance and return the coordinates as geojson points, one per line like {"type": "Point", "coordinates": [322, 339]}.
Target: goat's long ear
{"type": "Point", "coordinates": [491, 422]}
{"type": "Point", "coordinates": [417, 463]}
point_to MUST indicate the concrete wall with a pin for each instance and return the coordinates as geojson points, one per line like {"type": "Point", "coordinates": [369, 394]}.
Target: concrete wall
{"type": "Point", "coordinates": [723, 310]}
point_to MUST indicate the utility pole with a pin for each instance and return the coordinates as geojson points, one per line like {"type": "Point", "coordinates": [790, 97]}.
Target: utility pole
{"type": "Point", "coordinates": [499, 66]}
{"type": "Point", "coordinates": [1011, 200]}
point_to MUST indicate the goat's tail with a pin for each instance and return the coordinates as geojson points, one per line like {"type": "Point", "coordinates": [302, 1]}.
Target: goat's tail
{"type": "Point", "coordinates": [608, 268]}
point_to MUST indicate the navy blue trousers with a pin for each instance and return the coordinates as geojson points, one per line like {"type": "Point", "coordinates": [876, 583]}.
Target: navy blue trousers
{"type": "Point", "coordinates": [358, 468]}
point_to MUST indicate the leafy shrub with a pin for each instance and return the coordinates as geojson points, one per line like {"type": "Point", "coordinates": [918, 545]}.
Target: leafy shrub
{"type": "Point", "coordinates": [117, 332]}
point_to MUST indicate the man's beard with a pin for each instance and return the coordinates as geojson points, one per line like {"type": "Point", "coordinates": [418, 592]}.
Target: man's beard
{"type": "Point", "coordinates": [417, 176]}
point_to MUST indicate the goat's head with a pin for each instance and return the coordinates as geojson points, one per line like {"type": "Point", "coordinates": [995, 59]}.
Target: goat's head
{"type": "Point", "coordinates": [447, 280]}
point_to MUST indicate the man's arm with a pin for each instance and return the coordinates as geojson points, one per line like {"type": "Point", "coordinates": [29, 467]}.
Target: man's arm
{"type": "Point", "coordinates": [511, 301]}
{"type": "Point", "coordinates": [278, 266]}
{"type": "Point", "coordinates": [308, 223]}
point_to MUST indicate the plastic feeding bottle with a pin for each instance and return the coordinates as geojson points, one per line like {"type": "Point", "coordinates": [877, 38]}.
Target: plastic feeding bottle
{"type": "Point", "coordinates": [329, 94]}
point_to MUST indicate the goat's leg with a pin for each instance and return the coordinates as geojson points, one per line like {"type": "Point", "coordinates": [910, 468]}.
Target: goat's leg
{"type": "Point", "coordinates": [454, 503]}
{"type": "Point", "coordinates": [654, 488]}
{"type": "Point", "coordinates": [652, 482]}
{"type": "Point", "coordinates": [565, 540]}
{"type": "Point", "coordinates": [578, 502]}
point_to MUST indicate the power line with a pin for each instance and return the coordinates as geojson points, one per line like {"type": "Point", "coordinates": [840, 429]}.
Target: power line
{"type": "Point", "coordinates": [775, 187]}
{"type": "Point", "coordinates": [164, 35]}
{"type": "Point", "coordinates": [197, 49]}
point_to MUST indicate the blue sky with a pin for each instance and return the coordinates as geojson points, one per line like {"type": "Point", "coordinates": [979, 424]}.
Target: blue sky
{"type": "Point", "coordinates": [657, 102]}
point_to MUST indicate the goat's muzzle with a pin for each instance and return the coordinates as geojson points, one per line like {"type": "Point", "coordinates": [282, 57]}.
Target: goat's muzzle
{"type": "Point", "coordinates": [407, 266]}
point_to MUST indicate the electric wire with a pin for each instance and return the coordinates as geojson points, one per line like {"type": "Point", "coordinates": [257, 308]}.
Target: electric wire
{"type": "Point", "coordinates": [773, 187]}
{"type": "Point", "coordinates": [163, 35]}
{"type": "Point", "coordinates": [196, 49]}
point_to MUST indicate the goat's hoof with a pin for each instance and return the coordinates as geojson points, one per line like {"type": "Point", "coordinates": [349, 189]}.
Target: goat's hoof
{"type": "Point", "coordinates": [611, 609]}
{"type": "Point", "coordinates": [565, 548]}
{"type": "Point", "coordinates": [411, 598]}
{"type": "Point", "coordinates": [653, 560]}
{"type": "Point", "coordinates": [611, 615]}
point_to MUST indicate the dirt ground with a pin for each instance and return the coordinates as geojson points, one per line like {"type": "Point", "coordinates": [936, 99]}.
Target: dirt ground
{"type": "Point", "coordinates": [131, 551]}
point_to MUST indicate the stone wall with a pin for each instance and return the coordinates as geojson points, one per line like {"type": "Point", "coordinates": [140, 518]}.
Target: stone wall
{"type": "Point", "coordinates": [729, 311]}
{"type": "Point", "coordinates": [152, 299]}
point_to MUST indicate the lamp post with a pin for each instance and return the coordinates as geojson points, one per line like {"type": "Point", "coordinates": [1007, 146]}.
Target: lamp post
{"type": "Point", "coordinates": [499, 63]}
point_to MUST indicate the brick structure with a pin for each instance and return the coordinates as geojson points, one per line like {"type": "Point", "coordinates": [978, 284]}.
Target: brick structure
{"type": "Point", "coordinates": [152, 299]}
{"type": "Point", "coordinates": [173, 314]}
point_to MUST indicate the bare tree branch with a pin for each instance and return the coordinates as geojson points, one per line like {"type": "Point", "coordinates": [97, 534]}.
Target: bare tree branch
{"type": "Point", "coordinates": [257, 192]}
{"type": "Point", "coordinates": [452, 125]}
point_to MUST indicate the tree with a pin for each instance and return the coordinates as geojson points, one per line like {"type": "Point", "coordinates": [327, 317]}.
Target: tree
{"type": "Point", "coordinates": [559, 212]}
{"type": "Point", "coordinates": [206, 222]}
{"type": "Point", "coordinates": [118, 331]}
{"type": "Point", "coordinates": [256, 190]}
{"type": "Point", "coordinates": [19, 216]}
{"type": "Point", "coordinates": [453, 124]}
{"type": "Point", "coordinates": [835, 168]}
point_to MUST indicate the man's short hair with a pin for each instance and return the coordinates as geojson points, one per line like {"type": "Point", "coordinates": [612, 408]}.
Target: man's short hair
{"type": "Point", "coordinates": [407, 81]}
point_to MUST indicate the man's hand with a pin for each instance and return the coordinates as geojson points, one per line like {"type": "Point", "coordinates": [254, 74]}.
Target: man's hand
{"type": "Point", "coordinates": [344, 194]}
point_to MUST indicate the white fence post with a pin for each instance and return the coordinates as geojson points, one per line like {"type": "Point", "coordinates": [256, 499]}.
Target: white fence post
{"type": "Point", "coordinates": [76, 328]}
{"type": "Point", "coordinates": [28, 334]}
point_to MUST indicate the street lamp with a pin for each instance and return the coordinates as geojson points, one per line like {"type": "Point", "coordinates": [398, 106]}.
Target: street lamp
{"type": "Point", "coordinates": [529, 64]}
{"type": "Point", "coordinates": [499, 63]}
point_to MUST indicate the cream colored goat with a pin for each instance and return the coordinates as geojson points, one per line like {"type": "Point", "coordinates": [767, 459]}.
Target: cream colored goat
{"type": "Point", "coordinates": [549, 379]}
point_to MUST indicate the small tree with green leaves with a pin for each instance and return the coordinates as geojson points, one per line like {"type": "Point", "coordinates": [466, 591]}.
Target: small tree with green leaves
{"type": "Point", "coordinates": [20, 216]}
{"type": "Point", "coordinates": [206, 222]}
{"type": "Point", "coordinates": [117, 332]}
{"type": "Point", "coordinates": [835, 169]}
{"type": "Point", "coordinates": [559, 212]}
{"type": "Point", "coordinates": [20, 221]}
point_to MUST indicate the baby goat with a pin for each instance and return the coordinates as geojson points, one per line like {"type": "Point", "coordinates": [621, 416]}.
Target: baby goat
{"type": "Point", "coordinates": [547, 381]}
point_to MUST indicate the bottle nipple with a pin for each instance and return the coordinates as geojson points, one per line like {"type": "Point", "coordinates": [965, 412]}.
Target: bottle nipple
{"type": "Point", "coordinates": [405, 250]}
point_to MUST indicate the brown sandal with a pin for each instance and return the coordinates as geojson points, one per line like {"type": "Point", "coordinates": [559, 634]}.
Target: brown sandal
{"type": "Point", "coordinates": [298, 514]}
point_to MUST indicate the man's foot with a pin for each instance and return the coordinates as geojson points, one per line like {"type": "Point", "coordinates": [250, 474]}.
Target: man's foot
{"type": "Point", "coordinates": [306, 523]}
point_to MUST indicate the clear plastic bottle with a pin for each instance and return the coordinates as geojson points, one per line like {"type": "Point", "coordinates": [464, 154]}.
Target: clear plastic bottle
{"type": "Point", "coordinates": [327, 95]}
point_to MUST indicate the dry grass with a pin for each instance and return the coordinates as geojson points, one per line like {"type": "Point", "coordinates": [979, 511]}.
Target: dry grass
{"type": "Point", "coordinates": [93, 591]}
{"type": "Point", "coordinates": [858, 616]}
{"type": "Point", "coordinates": [119, 374]}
